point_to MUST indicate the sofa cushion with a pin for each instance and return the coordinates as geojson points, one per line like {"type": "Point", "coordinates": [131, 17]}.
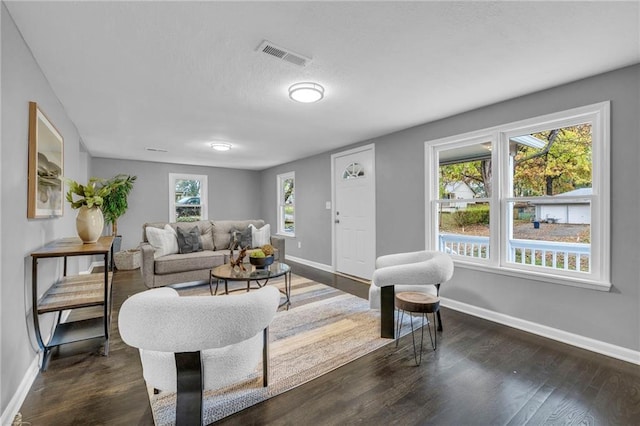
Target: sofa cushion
{"type": "Point", "coordinates": [222, 230]}
{"type": "Point", "coordinates": [159, 225]}
{"type": "Point", "coordinates": [188, 262]}
{"type": "Point", "coordinates": [189, 241]}
{"type": "Point", "coordinates": [240, 238]}
{"type": "Point", "coordinates": [205, 227]}
{"type": "Point", "coordinates": [260, 236]}
{"type": "Point", "coordinates": [164, 241]}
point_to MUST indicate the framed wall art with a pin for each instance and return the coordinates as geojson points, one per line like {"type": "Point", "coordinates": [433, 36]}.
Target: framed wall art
{"type": "Point", "coordinates": [46, 149]}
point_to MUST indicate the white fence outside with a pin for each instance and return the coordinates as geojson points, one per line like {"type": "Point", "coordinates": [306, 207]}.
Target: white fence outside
{"type": "Point", "coordinates": [549, 254]}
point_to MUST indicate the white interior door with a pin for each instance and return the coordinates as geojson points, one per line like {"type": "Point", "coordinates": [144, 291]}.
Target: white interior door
{"type": "Point", "coordinates": [354, 212]}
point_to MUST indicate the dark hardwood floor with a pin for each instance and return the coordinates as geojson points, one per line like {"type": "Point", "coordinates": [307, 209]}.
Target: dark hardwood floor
{"type": "Point", "coordinates": [482, 374]}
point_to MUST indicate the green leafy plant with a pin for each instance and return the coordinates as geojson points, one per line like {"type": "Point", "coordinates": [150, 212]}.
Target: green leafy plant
{"type": "Point", "coordinates": [115, 202]}
{"type": "Point", "coordinates": [91, 195]}
{"type": "Point", "coordinates": [471, 216]}
{"type": "Point", "coordinates": [110, 195]}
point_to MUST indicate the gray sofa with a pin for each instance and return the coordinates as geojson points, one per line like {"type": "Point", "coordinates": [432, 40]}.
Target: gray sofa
{"type": "Point", "coordinates": [189, 267]}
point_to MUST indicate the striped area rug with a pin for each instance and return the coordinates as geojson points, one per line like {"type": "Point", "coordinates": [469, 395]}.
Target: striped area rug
{"type": "Point", "coordinates": [323, 329]}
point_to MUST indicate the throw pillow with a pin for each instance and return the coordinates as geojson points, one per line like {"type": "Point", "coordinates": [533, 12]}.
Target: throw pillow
{"type": "Point", "coordinates": [262, 236]}
{"type": "Point", "coordinates": [241, 238]}
{"type": "Point", "coordinates": [189, 241]}
{"type": "Point", "coordinates": [206, 234]}
{"type": "Point", "coordinates": [164, 241]}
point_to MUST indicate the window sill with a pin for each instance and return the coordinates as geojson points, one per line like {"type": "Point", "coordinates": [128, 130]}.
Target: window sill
{"type": "Point", "coordinates": [282, 234]}
{"type": "Point", "coordinates": [537, 276]}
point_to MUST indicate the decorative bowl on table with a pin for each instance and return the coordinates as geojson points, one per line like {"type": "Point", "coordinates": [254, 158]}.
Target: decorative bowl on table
{"type": "Point", "coordinates": [261, 262]}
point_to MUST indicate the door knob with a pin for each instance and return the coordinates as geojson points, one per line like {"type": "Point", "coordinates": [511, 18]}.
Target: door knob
{"type": "Point", "coordinates": [337, 220]}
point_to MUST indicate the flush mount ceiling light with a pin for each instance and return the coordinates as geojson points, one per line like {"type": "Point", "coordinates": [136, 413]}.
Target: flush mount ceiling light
{"type": "Point", "coordinates": [221, 146]}
{"type": "Point", "coordinates": [306, 92]}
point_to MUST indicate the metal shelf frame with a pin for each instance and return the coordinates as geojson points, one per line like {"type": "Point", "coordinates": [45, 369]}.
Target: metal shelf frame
{"type": "Point", "coordinates": [73, 292]}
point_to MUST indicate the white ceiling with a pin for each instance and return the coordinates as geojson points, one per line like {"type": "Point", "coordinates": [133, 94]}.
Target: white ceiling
{"type": "Point", "coordinates": [177, 75]}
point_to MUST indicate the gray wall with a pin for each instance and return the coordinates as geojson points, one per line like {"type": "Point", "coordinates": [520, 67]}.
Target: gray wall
{"type": "Point", "coordinates": [233, 194]}
{"type": "Point", "coordinates": [612, 317]}
{"type": "Point", "coordinates": [22, 81]}
{"type": "Point", "coordinates": [313, 220]}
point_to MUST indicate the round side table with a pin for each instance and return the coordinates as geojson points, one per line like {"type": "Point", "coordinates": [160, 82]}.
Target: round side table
{"type": "Point", "coordinates": [417, 303]}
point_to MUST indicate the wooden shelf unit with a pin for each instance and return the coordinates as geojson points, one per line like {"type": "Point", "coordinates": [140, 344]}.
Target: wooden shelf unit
{"type": "Point", "coordinates": [73, 292]}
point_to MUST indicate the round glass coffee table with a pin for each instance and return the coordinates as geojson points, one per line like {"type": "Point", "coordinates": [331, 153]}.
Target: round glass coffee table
{"type": "Point", "coordinates": [260, 276]}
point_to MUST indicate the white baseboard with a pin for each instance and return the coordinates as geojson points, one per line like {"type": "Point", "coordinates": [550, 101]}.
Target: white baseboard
{"type": "Point", "coordinates": [583, 342]}
{"type": "Point", "coordinates": [321, 266]}
{"type": "Point", "coordinates": [21, 393]}
{"type": "Point", "coordinates": [93, 266]}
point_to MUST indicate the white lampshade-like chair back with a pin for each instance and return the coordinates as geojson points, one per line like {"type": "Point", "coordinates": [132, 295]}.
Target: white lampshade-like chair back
{"type": "Point", "coordinates": [226, 335]}
{"type": "Point", "coordinates": [422, 271]}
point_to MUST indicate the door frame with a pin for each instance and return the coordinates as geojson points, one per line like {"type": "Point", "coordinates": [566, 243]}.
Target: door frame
{"type": "Point", "coordinates": [370, 147]}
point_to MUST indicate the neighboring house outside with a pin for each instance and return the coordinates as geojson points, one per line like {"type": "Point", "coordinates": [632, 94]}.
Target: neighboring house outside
{"type": "Point", "coordinates": [561, 211]}
{"type": "Point", "coordinates": [457, 191]}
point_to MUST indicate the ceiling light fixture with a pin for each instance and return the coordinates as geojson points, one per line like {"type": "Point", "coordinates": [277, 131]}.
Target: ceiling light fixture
{"type": "Point", "coordinates": [306, 92]}
{"type": "Point", "coordinates": [221, 146]}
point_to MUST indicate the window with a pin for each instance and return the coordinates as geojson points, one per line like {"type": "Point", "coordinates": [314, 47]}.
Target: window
{"type": "Point", "coordinates": [353, 171]}
{"type": "Point", "coordinates": [464, 175]}
{"type": "Point", "coordinates": [187, 197]}
{"type": "Point", "coordinates": [286, 204]}
{"type": "Point", "coordinates": [528, 198]}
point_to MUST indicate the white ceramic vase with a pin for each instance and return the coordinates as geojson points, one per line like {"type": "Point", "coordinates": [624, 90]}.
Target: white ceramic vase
{"type": "Point", "coordinates": [89, 224]}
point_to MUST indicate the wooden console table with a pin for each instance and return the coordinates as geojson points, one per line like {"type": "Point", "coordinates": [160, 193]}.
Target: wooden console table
{"type": "Point", "coordinates": [73, 292]}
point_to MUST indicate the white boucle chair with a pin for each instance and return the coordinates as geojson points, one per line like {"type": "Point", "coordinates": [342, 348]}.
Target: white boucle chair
{"type": "Point", "coordinates": [421, 271]}
{"type": "Point", "coordinates": [193, 343]}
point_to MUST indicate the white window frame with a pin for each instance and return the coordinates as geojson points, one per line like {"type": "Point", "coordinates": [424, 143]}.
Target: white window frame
{"type": "Point", "coordinates": [173, 177]}
{"type": "Point", "coordinates": [281, 206]}
{"type": "Point", "coordinates": [474, 138]}
{"type": "Point", "coordinates": [599, 277]}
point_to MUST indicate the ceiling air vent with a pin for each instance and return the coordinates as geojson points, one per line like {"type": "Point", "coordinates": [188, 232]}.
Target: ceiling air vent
{"type": "Point", "coordinates": [283, 54]}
